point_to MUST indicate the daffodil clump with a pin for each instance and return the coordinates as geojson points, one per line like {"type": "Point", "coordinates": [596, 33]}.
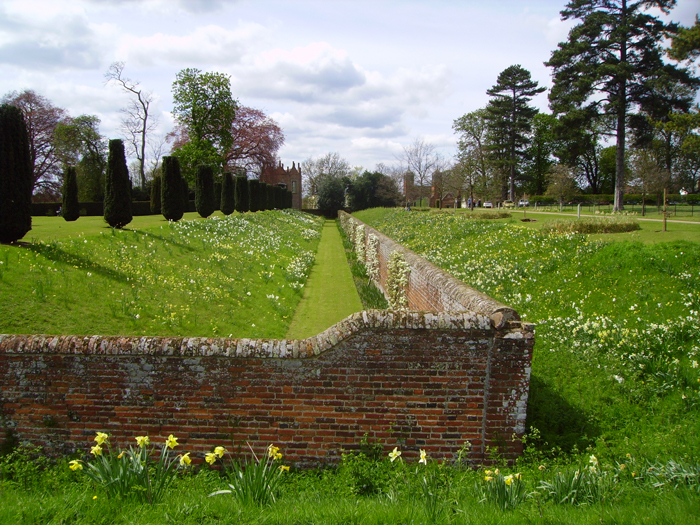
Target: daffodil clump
{"type": "Point", "coordinates": [132, 473]}
{"type": "Point", "coordinates": [506, 492]}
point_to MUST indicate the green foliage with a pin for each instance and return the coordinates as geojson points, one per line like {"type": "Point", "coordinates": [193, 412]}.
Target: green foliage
{"type": "Point", "coordinates": [204, 191]}
{"type": "Point", "coordinates": [117, 211]}
{"type": "Point", "coordinates": [228, 194]}
{"type": "Point", "coordinates": [331, 195]}
{"type": "Point", "coordinates": [156, 191]}
{"type": "Point", "coordinates": [71, 206]}
{"type": "Point", "coordinates": [256, 482]}
{"type": "Point", "coordinates": [594, 225]}
{"type": "Point", "coordinates": [373, 190]}
{"type": "Point", "coordinates": [582, 485]}
{"type": "Point", "coordinates": [15, 176]}
{"type": "Point", "coordinates": [195, 153]}
{"type": "Point", "coordinates": [254, 195]}
{"type": "Point", "coordinates": [505, 492]}
{"type": "Point", "coordinates": [241, 193]}
{"type": "Point", "coordinates": [171, 200]}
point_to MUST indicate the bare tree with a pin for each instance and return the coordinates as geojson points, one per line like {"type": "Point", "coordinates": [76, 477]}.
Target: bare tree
{"type": "Point", "coordinates": [137, 121]}
{"type": "Point", "coordinates": [330, 165]}
{"type": "Point", "coordinates": [421, 159]}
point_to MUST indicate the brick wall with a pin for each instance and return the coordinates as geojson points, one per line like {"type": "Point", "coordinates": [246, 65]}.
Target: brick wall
{"type": "Point", "coordinates": [428, 380]}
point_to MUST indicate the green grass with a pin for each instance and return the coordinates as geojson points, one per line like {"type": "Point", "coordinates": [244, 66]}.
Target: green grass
{"type": "Point", "coordinates": [239, 276]}
{"type": "Point", "coordinates": [617, 328]}
{"type": "Point", "coordinates": [329, 295]}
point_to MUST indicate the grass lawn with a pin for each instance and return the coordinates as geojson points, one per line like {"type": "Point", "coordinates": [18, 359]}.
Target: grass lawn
{"type": "Point", "coordinates": [330, 294]}
{"type": "Point", "coordinates": [237, 276]}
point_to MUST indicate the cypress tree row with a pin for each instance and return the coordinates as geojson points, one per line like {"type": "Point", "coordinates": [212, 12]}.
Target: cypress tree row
{"type": "Point", "coordinates": [254, 194]}
{"type": "Point", "coordinates": [185, 195]}
{"type": "Point", "coordinates": [242, 196]}
{"type": "Point", "coordinates": [71, 206]}
{"type": "Point", "coordinates": [117, 211]}
{"type": "Point", "coordinates": [15, 176]}
{"type": "Point", "coordinates": [171, 189]}
{"type": "Point", "coordinates": [204, 191]}
{"type": "Point", "coordinates": [155, 195]}
{"type": "Point", "coordinates": [228, 194]}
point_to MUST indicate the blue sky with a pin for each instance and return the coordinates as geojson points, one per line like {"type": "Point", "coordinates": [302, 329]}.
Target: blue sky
{"type": "Point", "coordinates": [362, 78]}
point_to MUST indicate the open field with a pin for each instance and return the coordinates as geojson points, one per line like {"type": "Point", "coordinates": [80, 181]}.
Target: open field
{"type": "Point", "coordinates": [240, 276]}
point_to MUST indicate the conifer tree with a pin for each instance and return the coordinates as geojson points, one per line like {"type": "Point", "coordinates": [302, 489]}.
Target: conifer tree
{"type": "Point", "coordinates": [204, 191]}
{"type": "Point", "coordinates": [15, 176]}
{"type": "Point", "coordinates": [155, 194]}
{"type": "Point", "coordinates": [117, 204]}
{"type": "Point", "coordinates": [71, 206]}
{"type": "Point", "coordinates": [242, 197]}
{"type": "Point", "coordinates": [613, 63]}
{"type": "Point", "coordinates": [254, 194]}
{"type": "Point", "coordinates": [171, 189]}
{"type": "Point", "coordinates": [228, 194]}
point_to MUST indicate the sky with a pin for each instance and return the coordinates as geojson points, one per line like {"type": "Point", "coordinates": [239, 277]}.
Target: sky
{"type": "Point", "coordinates": [362, 78]}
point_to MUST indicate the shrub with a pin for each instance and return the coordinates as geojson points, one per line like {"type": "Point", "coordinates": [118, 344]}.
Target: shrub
{"type": "Point", "coordinates": [506, 492]}
{"type": "Point", "coordinates": [171, 190]}
{"type": "Point", "coordinates": [117, 212]}
{"type": "Point", "coordinates": [228, 194]}
{"type": "Point", "coordinates": [254, 194]}
{"type": "Point", "coordinates": [204, 191]}
{"type": "Point", "coordinates": [594, 225]}
{"type": "Point", "coordinates": [242, 196]}
{"type": "Point", "coordinates": [71, 206]}
{"type": "Point", "coordinates": [15, 176]}
{"type": "Point", "coordinates": [155, 195]}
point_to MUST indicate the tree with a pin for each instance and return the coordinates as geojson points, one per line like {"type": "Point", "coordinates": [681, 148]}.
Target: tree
{"type": "Point", "coordinates": [228, 194]}
{"type": "Point", "coordinates": [540, 153]}
{"type": "Point", "coordinates": [373, 190]}
{"type": "Point", "coordinates": [137, 121]}
{"type": "Point", "coordinates": [613, 63]}
{"type": "Point", "coordinates": [561, 183]}
{"type": "Point", "coordinates": [155, 194]}
{"type": "Point", "coordinates": [78, 143]}
{"type": "Point", "coordinates": [41, 118]}
{"type": "Point", "coordinates": [16, 176]}
{"type": "Point", "coordinates": [421, 159]}
{"type": "Point", "coordinates": [331, 195]}
{"type": "Point", "coordinates": [255, 141]}
{"type": "Point", "coordinates": [71, 206]}
{"type": "Point", "coordinates": [204, 191]}
{"type": "Point", "coordinates": [473, 171]}
{"type": "Point", "coordinates": [313, 170]}
{"type": "Point", "coordinates": [171, 189]}
{"type": "Point", "coordinates": [117, 209]}
{"type": "Point", "coordinates": [509, 119]}
{"type": "Point", "coordinates": [254, 197]}
{"type": "Point", "coordinates": [204, 107]}
{"type": "Point", "coordinates": [242, 198]}
{"type": "Point", "coordinates": [685, 45]}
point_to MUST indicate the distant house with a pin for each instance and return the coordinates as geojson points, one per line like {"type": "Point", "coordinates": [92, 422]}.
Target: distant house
{"type": "Point", "coordinates": [288, 178]}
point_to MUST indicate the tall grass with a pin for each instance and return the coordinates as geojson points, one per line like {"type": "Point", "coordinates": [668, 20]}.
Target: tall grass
{"type": "Point", "coordinates": [594, 225]}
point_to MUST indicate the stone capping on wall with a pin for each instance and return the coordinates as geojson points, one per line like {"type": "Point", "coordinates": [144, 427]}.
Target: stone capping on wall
{"type": "Point", "coordinates": [260, 348]}
{"type": "Point", "coordinates": [453, 291]}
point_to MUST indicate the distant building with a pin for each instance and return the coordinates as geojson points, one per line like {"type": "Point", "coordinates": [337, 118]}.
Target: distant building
{"type": "Point", "coordinates": [288, 178]}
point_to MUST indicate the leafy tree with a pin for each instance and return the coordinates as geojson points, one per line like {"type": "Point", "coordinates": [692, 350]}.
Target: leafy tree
{"type": "Point", "coordinates": [204, 191]}
{"type": "Point", "coordinates": [540, 153]}
{"type": "Point", "coordinates": [41, 118]}
{"type": "Point", "coordinates": [117, 210]}
{"type": "Point", "coordinates": [241, 192]}
{"type": "Point", "coordinates": [228, 194]}
{"type": "Point", "coordinates": [71, 206]}
{"type": "Point", "coordinates": [171, 189]}
{"type": "Point", "coordinates": [155, 194]}
{"type": "Point", "coordinates": [613, 63]}
{"type": "Point", "coordinates": [255, 140]}
{"type": "Point", "coordinates": [313, 170]}
{"type": "Point", "coordinates": [204, 107]}
{"type": "Point", "coordinates": [331, 195]}
{"type": "Point", "coordinates": [373, 190]}
{"type": "Point", "coordinates": [137, 120]}
{"type": "Point", "coordinates": [561, 183]}
{"type": "Point", "coordinates": [473, 169]}
{"type": "Point", "coordinates": [509, 119]}
{"type": "Point", "coordinates": [16, 175]}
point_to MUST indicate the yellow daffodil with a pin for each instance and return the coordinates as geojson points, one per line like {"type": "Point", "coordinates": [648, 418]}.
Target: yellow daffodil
{"type": "Point", "coordinates": [94, 497]}
{"type": "Point", "coordinates": [394, 454]}
{"type": "Point", "coordinates": [488, 478]}
{"type": "Point", "coordinates": [284, 468]}
{"type": "Point", "coordinates": [541, 467]}
{"type": "Point", "coordinates": [142, 441]}
{"type": "Point", "coordinates": [171, 442]}
{"type": "Point", "coordinates": [273, 451]}
{"type": "Point", "coordinates": [488, 472]}
{"type": "Point", "coordinates": [75, 465]}
{"type": "Point", "coordinates": [96, 450]}
{"type": "Point", "coordinates": [497, 472]}
{"type": "Point", "coordinates": [508, 479]}
{"type": "Point", "coordinates": [593, 461]}
{"type": "Point", "coordinates": [210, 457]}
{"type": "Point", "coordinates": [518, 476]}
{"type": "Point", "coordinates": [185, 460]}
{"type": "Point", "coordinates": [121, 455]}
{"type": "Point", "coordinates": [220, 451]}
{"type": "Point", "coordinates": [423, 457]}
{"type": "Point", "coordinates": [101, 437]}
{"type": "Point", "coordinates": [622, 466]}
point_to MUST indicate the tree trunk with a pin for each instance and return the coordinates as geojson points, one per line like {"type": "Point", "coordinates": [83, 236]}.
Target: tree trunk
{"type": "Point", "coordinates": [621, 121]}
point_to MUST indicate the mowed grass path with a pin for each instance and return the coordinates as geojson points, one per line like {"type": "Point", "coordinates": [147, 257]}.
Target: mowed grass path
{"type": "Point", "coordinates": [330, 294]}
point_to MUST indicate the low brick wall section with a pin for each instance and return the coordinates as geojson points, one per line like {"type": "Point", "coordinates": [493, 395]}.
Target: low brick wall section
{"type": "Point", "coordinates": [429, 288]}
{"type": "Point", "coordinates": [413, 379]}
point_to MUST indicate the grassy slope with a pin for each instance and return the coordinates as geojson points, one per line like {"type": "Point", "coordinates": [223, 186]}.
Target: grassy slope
{"type": "Point", "coordinates": [596, 306]}
{"type": "Point", "coordinates": [329, 294]}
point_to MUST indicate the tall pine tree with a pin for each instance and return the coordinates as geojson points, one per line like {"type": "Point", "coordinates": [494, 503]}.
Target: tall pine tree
{"type": "Point", "coordinates": [71, 206]}
{"type": "Point", "coordinates": [15, 176]}
{"type": "Point", "coordinates": [242, 197]}
{"type": "Point", "coordinates": [204, 191]}
{"type": "Point", "coordinates": [117, 210]}
{"type": "Point", "coordinates": [228, 194]}
{"type": "Point", "coordinates": [171, 201]}
{"type": "Point", "coordinates": [612, 63]}
{"type": "Point", "coordinates": [509, 120]}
